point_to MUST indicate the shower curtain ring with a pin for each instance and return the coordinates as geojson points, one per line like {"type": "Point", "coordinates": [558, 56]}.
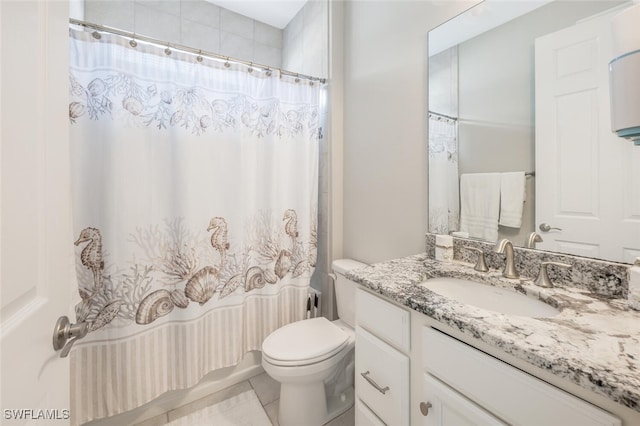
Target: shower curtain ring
{"type": "Point", "coordinates": [96, 35]}
{"type": "Point", "coordinates": [250, 69]}
{"type": "Point", "coordinates": [167, 51]}
{"type": "Point", "coordinates": [226, 63]}
{"type": "Point", "coordinates": [199, 57]}
{"type": "Point", "coordinates": [133, 42]}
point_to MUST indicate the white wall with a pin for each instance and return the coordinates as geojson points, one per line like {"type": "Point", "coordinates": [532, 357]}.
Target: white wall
{"type": "Point", "coordinates": [385, 125]}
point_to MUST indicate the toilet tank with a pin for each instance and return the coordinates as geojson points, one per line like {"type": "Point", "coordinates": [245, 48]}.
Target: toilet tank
{"type": "Point", "coordinates": [346, 289]}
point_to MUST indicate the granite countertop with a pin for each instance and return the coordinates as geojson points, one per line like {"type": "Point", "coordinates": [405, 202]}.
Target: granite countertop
{"type": "Point", "coordinates": [594, 342]}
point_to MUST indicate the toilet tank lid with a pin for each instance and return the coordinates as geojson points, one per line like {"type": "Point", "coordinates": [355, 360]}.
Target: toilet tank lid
{"type": "Point", "coordinates": [342, 266]}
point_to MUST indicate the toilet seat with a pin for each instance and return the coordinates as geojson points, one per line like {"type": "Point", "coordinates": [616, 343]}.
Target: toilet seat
{"type": "Point", "coordinates": [304, 342]}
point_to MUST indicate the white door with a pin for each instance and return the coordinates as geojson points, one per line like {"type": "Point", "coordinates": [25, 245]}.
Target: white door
{"type": "Point", "coordinates": [36, 254]}
{"type": "Point", "coordinates": [443, 406]}
{"type": "Point", "coordinates": [587, 179]}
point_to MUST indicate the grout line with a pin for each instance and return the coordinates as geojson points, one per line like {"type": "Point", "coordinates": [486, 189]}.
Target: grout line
{"type": "Point", "coordinates": [165, 420]}
{"type": "Point", "coordinates": [264, 411]}
{"type": "Point", "coordinates": [253, 387]}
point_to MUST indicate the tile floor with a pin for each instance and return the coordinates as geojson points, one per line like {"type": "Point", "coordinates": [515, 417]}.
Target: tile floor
{"type": "Point", "coordinates": [253, 402]}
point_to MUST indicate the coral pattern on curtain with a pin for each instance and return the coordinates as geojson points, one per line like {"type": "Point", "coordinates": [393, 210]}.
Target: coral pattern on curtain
{"type": "Point", "coordinates": [444, 199]}
{"type": "Point", "coordinates": [194, 200]}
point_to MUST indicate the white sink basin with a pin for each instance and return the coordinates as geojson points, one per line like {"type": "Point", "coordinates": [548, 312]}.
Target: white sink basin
{"type": "Point", "coordinates": [491, 298]}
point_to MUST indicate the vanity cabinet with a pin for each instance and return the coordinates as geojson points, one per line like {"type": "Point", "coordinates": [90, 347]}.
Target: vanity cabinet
{"type": "Point", "coordinates": [409, 372]}
{"type": "Point", "coordinates": [381, 362]}
{"type": "Point", "coordinates": [465, 382]}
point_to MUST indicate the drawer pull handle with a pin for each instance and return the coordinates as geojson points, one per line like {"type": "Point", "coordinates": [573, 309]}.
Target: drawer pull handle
{"type": "Point", "coordinates": [382, 390]}
{"type": "Point", "coordinates": [424, 408]}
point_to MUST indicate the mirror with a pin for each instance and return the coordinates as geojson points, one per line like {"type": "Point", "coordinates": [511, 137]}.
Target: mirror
{"type": "Point", "coordinates": [483, 117]}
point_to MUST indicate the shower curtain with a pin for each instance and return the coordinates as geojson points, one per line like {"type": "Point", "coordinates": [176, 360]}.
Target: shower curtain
{"type": "Point", "coordinates": [195, 205]}
{"type": "Point", "coordinates": [444, 199]}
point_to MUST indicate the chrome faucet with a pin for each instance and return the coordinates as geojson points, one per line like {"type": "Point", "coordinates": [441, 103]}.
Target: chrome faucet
{"type": "Point", "coordinates": [504, 246]}
{"type": "Point", "coordinates": [532, 239]}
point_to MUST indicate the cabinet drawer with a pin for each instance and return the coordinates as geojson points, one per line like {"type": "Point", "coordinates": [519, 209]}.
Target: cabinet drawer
{"type": "Point", "coordinates": [511, 394]}
{"type": "Point", "coordinates": [384, 319]}
{"type": "Point", "coordinates": [365, 417]}
{"type": "Point", "coordinates": [384, 367]}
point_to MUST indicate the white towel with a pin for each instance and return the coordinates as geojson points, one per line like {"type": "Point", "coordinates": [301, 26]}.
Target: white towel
{"type": "Point", "coordinates": [480, 205]}
{"type": "Point", "coordinates": [512, 197]}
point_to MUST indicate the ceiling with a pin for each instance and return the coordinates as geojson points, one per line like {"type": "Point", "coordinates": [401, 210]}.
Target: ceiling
{"type": "Point", "coordinates": [276, 13]}
{"type": "Point", "coordinates": [478, 19]}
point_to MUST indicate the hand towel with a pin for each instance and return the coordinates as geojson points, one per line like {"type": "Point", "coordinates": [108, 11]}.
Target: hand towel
{"type": "Point", "coordinates": [480, 205]}
{"type": "Point", "coordinates": [512, 197]}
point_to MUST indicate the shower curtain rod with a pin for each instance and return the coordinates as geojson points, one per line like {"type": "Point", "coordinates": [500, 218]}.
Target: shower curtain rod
{"type": "Point", "coordinates": [188, 49]}
{"type": "Point", "coordinates": [439, 116]}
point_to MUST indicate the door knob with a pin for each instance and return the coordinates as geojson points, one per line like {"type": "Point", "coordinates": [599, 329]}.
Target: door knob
{"type": "Point", "coordinates": [545, 227]}
{"type": "Point", "coordinates": [424, 408]}
{"type": "Point", "coordinates": [65, 334]}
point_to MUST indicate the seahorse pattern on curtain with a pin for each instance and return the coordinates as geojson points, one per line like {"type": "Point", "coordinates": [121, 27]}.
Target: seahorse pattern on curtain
{"type": "Point", "coordinates": [194, 200]}
{"type": "Point", "coordinates": [444, 200]}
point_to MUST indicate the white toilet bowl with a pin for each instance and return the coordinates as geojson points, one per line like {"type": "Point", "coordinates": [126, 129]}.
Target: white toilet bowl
{"type": "Point", "coordinates": [313, 360]}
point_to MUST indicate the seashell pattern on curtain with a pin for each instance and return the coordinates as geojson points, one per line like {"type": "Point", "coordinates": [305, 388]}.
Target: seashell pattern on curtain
{"type": "Point", "coordinates": [195, 205]}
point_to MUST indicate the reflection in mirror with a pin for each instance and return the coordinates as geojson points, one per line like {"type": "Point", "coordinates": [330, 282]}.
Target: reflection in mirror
{"type": "Point", "coordinates": [491, 98]}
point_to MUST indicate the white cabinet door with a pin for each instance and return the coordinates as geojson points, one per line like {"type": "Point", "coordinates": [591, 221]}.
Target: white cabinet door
{"type": "Point", "coordinates": [365, 417]}
{"type": "Point", "coordinates": [382, 378]}
{"type": "Point", "coordinates": [503, 390]}
{"type": "Point", "coordinates": [447, 407]}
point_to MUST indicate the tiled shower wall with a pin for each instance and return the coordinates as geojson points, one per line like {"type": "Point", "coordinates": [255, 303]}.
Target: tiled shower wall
{"type": "Point", "coordinates": [305, 50]}
{"type": "Point", "coordinates": [304, 42]}
{"type": "Point", "coordinates": [300, 47]}
{"type": "Point", "coordinates": [194, 23]}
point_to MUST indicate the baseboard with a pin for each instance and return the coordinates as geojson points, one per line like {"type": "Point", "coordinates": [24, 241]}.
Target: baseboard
{"type": "Point", "coordinates": [213, 382]}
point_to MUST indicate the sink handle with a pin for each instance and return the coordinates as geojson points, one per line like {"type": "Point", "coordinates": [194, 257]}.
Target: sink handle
{"type": "Point", "coordinates": [532, 239]}
{"type": "Point", "coordinates": [543, 279]}
{"type": "Point", "coordinates": [481, 264]}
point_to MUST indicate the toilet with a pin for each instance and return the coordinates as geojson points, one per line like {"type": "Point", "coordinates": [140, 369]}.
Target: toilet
{"type": "Point", "coordinates": [313, 359]}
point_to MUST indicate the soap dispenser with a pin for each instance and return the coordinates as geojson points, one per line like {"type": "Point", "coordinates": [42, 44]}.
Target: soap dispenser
{"type": "Point", "coordinates": [444, 248]}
